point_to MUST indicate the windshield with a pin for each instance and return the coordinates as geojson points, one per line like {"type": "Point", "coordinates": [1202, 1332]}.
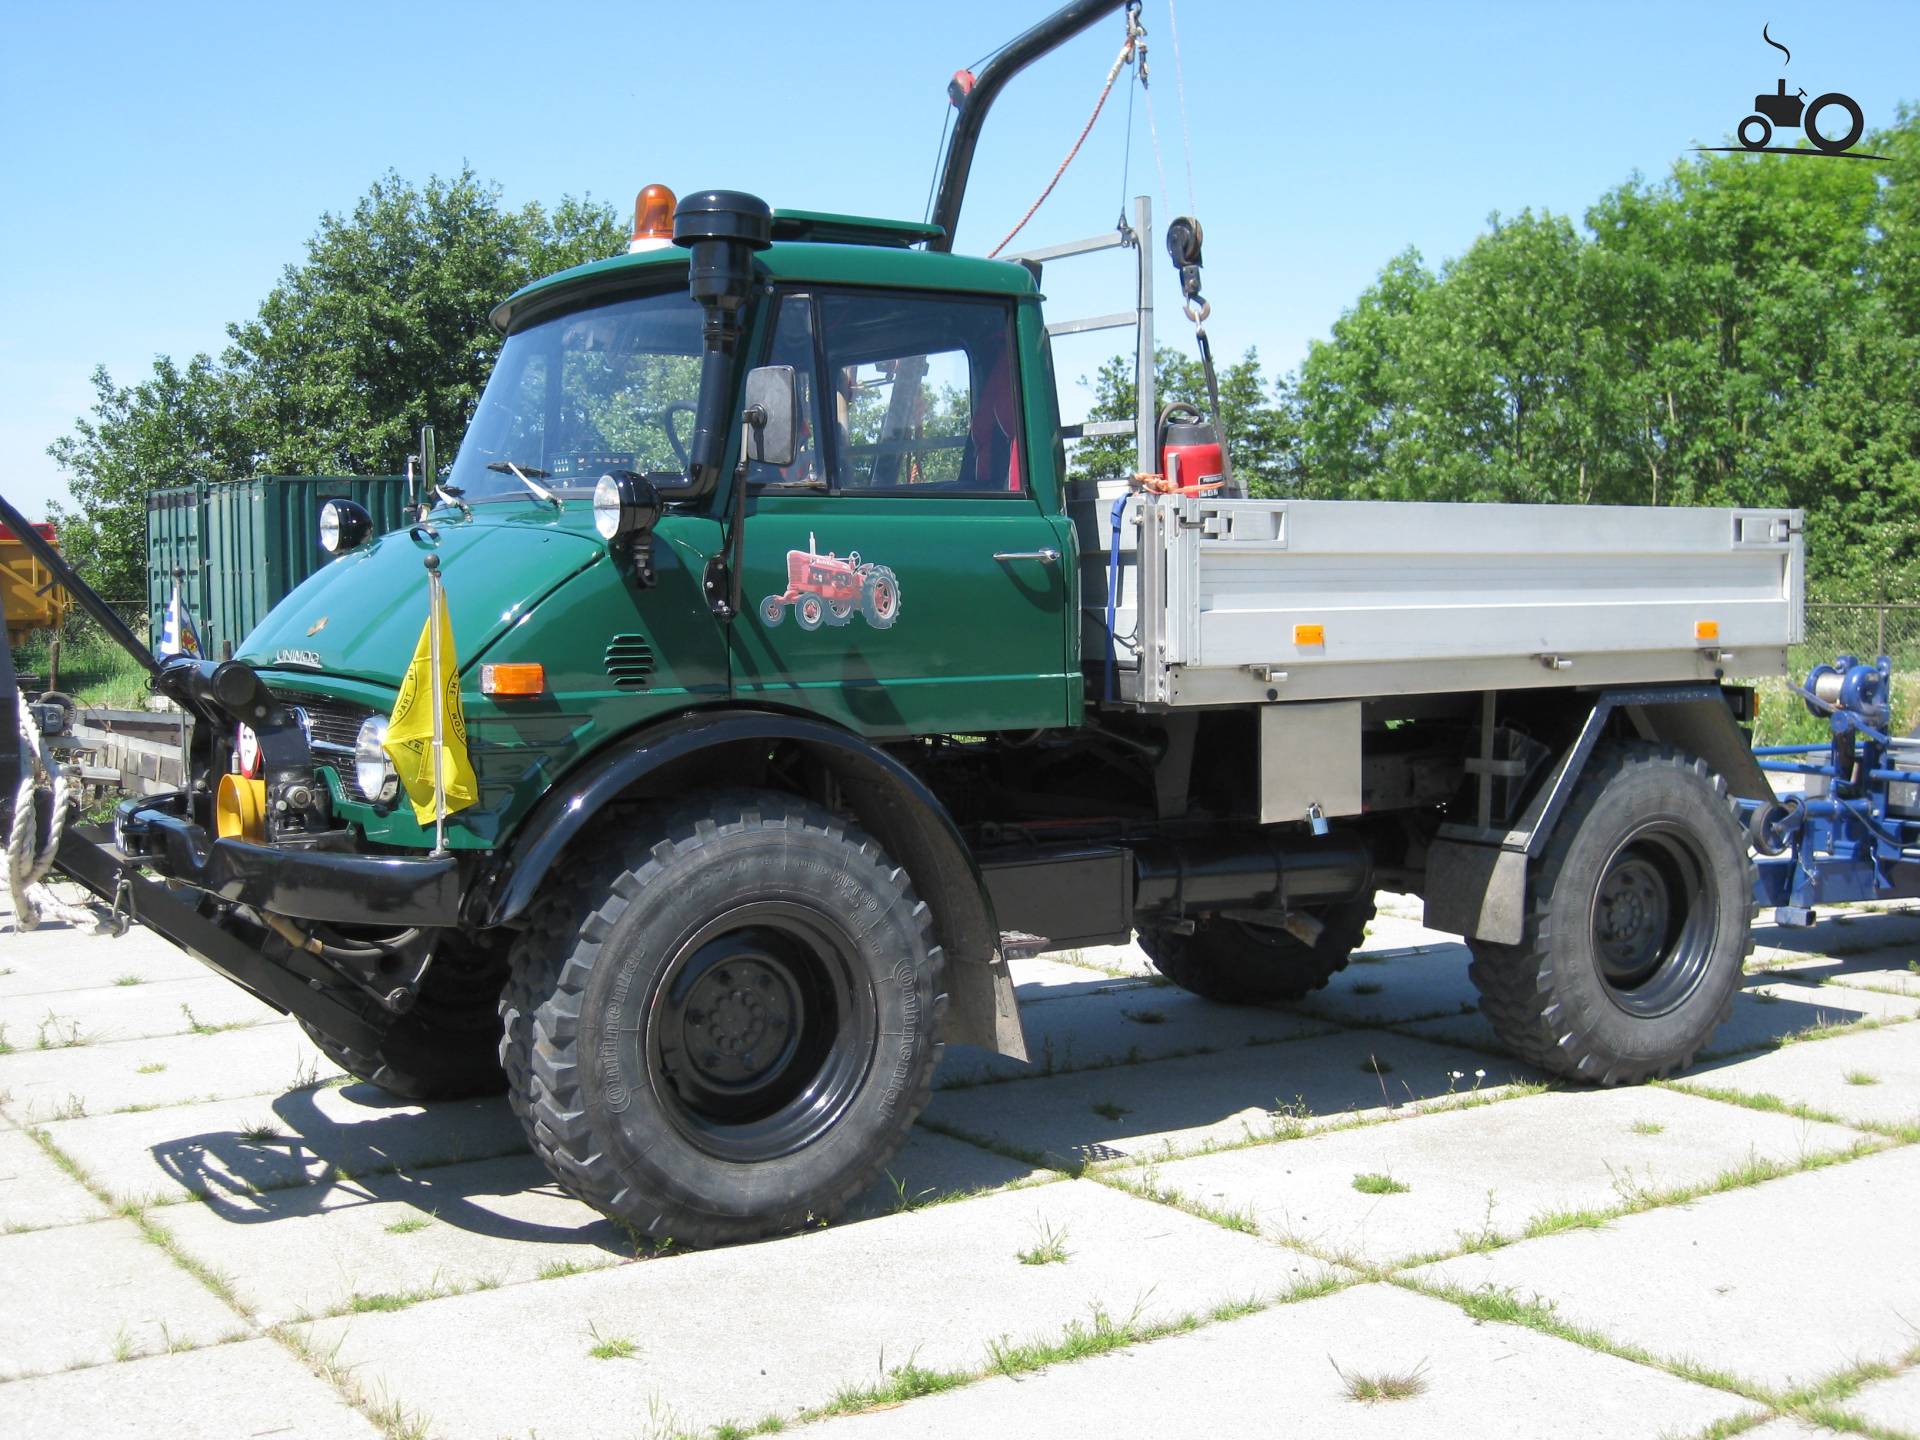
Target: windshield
{"type": "Point", "coordinates": [610, 388]}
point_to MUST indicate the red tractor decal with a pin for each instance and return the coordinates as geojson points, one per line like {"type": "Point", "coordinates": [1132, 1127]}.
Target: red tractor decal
{"type": "Point", "coordinates": [827, 589]}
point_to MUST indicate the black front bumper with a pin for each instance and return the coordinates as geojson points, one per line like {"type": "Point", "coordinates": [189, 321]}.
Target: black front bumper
{"type": "Point", "coordinates": [304, 884]}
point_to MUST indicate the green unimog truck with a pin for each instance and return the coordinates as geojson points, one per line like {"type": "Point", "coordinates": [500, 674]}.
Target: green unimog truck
{"type": "Point", "coordinates": [802, 691]}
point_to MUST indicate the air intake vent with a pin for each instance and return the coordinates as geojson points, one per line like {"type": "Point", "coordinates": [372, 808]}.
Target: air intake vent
{"type": "Point", "coordinates": [629, 662]}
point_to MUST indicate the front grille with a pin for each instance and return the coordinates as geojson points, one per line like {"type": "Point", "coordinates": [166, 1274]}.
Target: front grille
{"type": "Point", "coordinates": [629, 662]}
{"type": "Point", "coordinates": [331, 727]}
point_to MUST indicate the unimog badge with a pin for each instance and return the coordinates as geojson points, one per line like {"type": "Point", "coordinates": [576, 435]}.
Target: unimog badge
{"type": "Point", "coordinates": [308, 658]}
{"type": "Point", "coordinates": [827, 589]}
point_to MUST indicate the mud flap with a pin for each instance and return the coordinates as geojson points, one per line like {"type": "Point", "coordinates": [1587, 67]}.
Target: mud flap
{"type": "Point", "coordinates": [982, 1009]}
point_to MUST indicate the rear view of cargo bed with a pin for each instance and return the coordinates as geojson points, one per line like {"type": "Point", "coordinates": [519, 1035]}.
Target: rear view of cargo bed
{"type": "Point", "coordinates": [1250, 601]}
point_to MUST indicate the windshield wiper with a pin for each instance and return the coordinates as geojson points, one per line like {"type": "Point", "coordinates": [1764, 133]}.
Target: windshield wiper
{"type": "Point", "coordinates": [525, 477]}
{"type": "Point", "coordinates": [450, 495]}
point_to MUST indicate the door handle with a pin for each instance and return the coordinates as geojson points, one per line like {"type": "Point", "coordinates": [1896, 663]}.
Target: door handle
{"type": "Point", "coordinates": [1048, 556]}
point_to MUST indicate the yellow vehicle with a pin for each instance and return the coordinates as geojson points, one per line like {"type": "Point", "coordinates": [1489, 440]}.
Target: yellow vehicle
{"type": "Point", "coordinates": [33, 600]}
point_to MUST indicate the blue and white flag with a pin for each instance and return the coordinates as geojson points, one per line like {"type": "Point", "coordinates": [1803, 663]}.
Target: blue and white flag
{"type": "Point", "coordinates": [177, 635]}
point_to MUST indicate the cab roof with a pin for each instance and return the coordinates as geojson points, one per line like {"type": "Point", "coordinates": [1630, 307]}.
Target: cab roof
{"type": "Point", "coordinates": [808, 245]}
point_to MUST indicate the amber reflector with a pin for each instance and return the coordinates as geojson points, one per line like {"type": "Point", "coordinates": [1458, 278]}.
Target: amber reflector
{"type": "Point", "coordinates": [513, 679]}
{"type": "Point", "coordinates": [1309, 635]}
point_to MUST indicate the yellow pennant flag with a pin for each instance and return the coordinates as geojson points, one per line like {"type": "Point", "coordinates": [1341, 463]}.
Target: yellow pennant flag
{"type": "Point", "coordinates": [410, 731]}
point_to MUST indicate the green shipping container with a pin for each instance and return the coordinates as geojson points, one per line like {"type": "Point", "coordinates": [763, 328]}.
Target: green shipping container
{"type": "Point", "coordinates": [242, 546]}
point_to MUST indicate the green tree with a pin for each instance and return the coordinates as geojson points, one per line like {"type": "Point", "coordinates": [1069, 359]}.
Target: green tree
{"type": "Point", "coordinates": [380, 329]}
{"type": "Point", "coordinates": [1259, 427]}
{"type": "Point", "coordinates": [176, 427]}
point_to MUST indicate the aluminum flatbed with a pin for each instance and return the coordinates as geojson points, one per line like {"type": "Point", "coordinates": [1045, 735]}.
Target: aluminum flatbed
{"type": "Point", "coordinates": [1250, 601]}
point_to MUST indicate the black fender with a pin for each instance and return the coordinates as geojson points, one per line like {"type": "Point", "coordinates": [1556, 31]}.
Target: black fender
{"type": "Point", "coordinates": [1476, 881]}
{"type": "Point", "coordinates": [889, 801]}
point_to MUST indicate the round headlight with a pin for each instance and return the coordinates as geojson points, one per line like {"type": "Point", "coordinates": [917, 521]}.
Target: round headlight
{"type": "Point", "coordinates": [343, 525]}
{"type": "Point", "coordinates": [607, 505]}
{"type": "Point", "coordinates": [372, 768]}
{"type": "Point", "coordinates": [623, 503]}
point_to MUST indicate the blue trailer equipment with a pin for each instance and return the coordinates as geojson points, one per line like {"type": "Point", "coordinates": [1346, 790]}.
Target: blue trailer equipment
{"type": "Point", "coordinates": [1854, 832]}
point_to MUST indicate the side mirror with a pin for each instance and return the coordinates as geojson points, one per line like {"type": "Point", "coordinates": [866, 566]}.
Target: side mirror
{"type": "Point", "coordinates": [773, 414]}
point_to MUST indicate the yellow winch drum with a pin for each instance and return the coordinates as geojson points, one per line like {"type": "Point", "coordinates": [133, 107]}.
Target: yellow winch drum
{"type": "Point", "coordinates": [240, 809]}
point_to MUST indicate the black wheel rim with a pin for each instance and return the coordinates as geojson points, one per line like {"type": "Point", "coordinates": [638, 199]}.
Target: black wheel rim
{"type": "Point", "coordinates": [1653, 925]}
{"type": "Point", "coordinates": [758, 1033]}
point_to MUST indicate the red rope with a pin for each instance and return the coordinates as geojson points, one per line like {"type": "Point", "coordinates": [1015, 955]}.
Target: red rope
{"type": "Point", "coordinates": [1126, 52]}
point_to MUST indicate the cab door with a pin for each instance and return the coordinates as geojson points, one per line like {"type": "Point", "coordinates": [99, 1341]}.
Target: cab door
{"type": "Point", "coordinates": [900, 577]}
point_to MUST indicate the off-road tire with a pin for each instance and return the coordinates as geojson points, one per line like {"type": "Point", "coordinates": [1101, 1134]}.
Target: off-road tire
{"type": "Point", "coordinates": [448, 1046]}
{"type": "Point", "coordinates": [1549, 997]}
{"type": "Point", "coordinates": [611, 942]}
{"type": "Point", "coordinates": [1240, 964]}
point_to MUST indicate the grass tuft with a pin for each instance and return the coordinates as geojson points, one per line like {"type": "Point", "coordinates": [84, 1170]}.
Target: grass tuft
{"type": "Point", "coordinates": [1387, 1386]}
{"type": "Point", "coordinates": [1861, 1077]}
{"type": "Point", "coordinates": [407, 1225]}
{"type": "Point", "coordinates": [1646, 1127]}
{"type": "Point", "coordinates": [1049, 1249]}
{"type": "Point", "coordinates": [152, 1067]}
{"type": "Point", "coordinates": [1373, 1183]}
{"type": "Point", "coordinates": [609, 1347]}
{"type": "Point", "coordinates": [1110, 1110]}
{"type": "Point", "coordinates": [128, 980]}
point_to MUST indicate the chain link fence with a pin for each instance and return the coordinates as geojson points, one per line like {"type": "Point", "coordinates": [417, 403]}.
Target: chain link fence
{"type": "Point", "coordinates": [1863, 631]}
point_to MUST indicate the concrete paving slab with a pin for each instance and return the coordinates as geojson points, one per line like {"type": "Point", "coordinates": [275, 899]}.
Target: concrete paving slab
{"type": "Point", "coordinates": [1892, 1404]}
{"type": "Point", "coordinates": [1490, 1382]}
{"type": "Point", "coordinates": [252, 1388]}
{"type": "Point", "coordinates": [1392, 929]}
{"type": "Point", "coordinates": [800, 1318]}
{"type": "Point", "coordinates": [1766, 1283]}
{"type": "Point", "coordinates": [1089, 1031]}
{"type": "Point", "coordinates": [451, 1228]}
{"type": "Point", "coordinates": [310, 1251]}
{"type": "Point", "coordinates": [117, 1296]}
{"type": "Point", "coordinates": [1762, 1017]}
{"type": "Point", "coordinates": [933, 1168]}
{"type": "Point", "coordinates": [1396, 985]}
{"type": "Point", "coordinates": [1173, 1107]}
{"type": "Point", "coordinates": [168, 1070]}
{"type": "Point", "coordinates": [1045, 978]}
{"type": "Point", "coordinates": [1114, 961]}
{"type": "Point", "coordinates": [1493, 1168]}
{"type": "Point", "coordinates": [1840, 934]}
{"type": "Point", "coordinates": [1886, 971]}
{"type": "Point", "coordinates": [33, 1192]}
{"type": "Point", "coordinates": [55, 958]}
{"type": "Point", "coordinates": [1870, 1076]}
{"type": "Point", "coordinates": [227, 1150]}
{"type": "Point", "coordinates": [130, 1012]}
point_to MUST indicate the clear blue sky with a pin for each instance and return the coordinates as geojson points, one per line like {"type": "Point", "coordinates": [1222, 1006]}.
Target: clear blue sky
{"type": "Point", "coordinates": [160, 164]}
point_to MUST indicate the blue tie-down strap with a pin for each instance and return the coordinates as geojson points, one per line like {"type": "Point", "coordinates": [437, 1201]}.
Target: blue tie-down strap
{"type": "Point", "coordinates": [1113, 588]}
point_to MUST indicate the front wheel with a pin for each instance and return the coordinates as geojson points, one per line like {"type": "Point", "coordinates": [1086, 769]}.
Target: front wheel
{"type": "Point", "coordinates": [725, 1026]}
{"type": "Point", "coordinates": [1638, 924]}
{"type": "Point", "coordinates": [1241, 964]}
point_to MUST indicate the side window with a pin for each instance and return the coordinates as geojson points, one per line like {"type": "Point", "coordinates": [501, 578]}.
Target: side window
{"type": "Point", "coordinates": [923, 395]}
{"type": "Point", "coordinates": [793, 345]}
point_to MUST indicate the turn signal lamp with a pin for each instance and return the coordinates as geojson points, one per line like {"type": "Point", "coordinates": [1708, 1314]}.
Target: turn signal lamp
{"type": "Point", "coordinates": [652, 219]}
{"type": "Point", "coordinates": [513, 679]}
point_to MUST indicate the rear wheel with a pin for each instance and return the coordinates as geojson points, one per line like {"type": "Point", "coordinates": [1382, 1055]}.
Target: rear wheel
{"type": "Point", "coordinates": [1638, 923]}
{"type": "Point", "coordinates": [448, 1046]}
{"type": "Point", "coordinates": [725, 1026]}
{"type": "Point", "coordinates": [1237, 963]}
